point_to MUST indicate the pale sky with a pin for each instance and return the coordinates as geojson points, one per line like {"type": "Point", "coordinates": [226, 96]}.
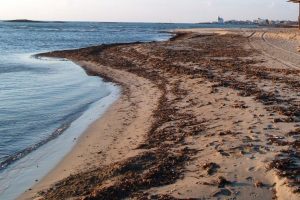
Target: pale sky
{"type": "Point", "coordinates": [146, 10]}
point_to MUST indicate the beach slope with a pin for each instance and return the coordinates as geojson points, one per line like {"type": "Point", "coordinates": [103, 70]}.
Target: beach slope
{"type": "Point", "coordinates": [209, 114]}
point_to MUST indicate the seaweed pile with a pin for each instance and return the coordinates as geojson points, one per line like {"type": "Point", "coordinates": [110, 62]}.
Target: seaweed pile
{"type": "Point", "coordinates": [287, 162]}
{"type": "Point", "coordinates": [221, 60]}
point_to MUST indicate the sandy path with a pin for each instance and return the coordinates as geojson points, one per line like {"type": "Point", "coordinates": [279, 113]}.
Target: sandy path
{"type": "Point", "coordinates": [277, 44]}
{"type": "Point", "coordinates": [282, 50]}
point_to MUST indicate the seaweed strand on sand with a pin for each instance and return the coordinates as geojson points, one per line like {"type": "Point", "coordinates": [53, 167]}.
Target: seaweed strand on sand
{"type": "Point", "coordinates": [182, 69]}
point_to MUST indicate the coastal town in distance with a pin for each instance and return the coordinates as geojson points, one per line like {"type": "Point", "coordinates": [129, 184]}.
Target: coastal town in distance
{"type": "Point", "coordinates": [258, 21]}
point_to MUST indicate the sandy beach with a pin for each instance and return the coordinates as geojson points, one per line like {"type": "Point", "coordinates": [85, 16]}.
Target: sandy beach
{"type": "Point", "coordinates": [209, 114]}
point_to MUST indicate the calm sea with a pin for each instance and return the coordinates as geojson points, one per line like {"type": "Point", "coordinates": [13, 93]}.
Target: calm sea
{"type": "Point", "coordinates": [39, 99]}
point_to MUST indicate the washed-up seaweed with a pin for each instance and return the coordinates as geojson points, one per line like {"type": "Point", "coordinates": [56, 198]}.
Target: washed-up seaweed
{"type": "Point", "coordinates": [219, 59]}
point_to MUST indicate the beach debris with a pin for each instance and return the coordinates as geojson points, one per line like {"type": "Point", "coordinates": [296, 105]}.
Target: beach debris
{"type": "Point", "coordinates": [222, 192]}
{"type": "Point", "coordinates": [286, 164]}
{"type": "Point", "coordinates": [294, 133]}
{"type": "Point", "coordinates": [164, 154]}
{"type": "Point", "coordinates": [147, 196]}
{"type": "Point", "coordinates": [211, 168]}
{"type": "Point", "coordinates": [279, 120]}
{"type": "Point", "coordinates": [99, 152]}
{"type": "Point", "coordinates": [240, 104]}
{"type": "Point", "coordinates": [278, 140]}
{"type": "Point", "coordinates": [229, 132]}
{"type": "Point", "coordinates": [222, 182]}
{"type": "Point", "coordinates": [258, 184]}
{"type": "Point", "coordinates": [223, 153]}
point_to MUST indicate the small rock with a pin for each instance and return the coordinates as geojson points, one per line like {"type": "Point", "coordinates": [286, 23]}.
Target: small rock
{"type": "Point", "coordinates": [99, 152]}
{"type": "Point", "coordinates": [258, 184]}
{"type": "Point", "coordinates": [223, 153]}
{"type": "Point", "coordinates": [223, 191]}
{"type": "Point", "coordinates": [222, 182]}
{"type": "Point", "coordinates": [278, 120]}
{"type": "Point", "coordinates": [211, 168]}
{"type": "Point", "coordinates": [270, 126]}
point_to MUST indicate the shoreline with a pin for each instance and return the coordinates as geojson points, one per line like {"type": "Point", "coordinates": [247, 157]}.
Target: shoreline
{"type": "Point", "coordinates": [23, 172]}
{"type": "Point", "coordinates": [72, 162]}
{"type": "Point", "coordinates": [178, 101]}
{"type": "Point", "coordinates": [35, 165]}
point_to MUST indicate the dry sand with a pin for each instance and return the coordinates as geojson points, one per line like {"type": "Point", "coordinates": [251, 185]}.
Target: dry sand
{"type": "Point", "coordinates": [210, 114]}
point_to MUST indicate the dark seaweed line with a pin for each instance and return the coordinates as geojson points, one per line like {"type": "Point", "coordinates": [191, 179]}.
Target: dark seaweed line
{"type": "Point", "coordinates": [149, 169]}
{"type": "Point", "coordinates": [134, 178]}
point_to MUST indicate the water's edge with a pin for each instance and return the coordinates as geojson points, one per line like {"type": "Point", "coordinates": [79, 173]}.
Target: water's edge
{"type": "Point", "coordinates": [26, 168]}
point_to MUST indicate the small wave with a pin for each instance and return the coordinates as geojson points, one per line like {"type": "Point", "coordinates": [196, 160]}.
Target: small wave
{"type": "Point", "coordinates": [81, 30]}
{"type": "Point", "coordinates": [89, 30]}
{"type": "Point", "coordinates": [22, 26]}
{"type": "Point", "coordinates": [11, 159]}
{"type": "Point", "coordinates": [15, 69]}
{"type": "Point", "coordinates": [7, 160]}
{"type": "Point", "coordinates": [48, 29]}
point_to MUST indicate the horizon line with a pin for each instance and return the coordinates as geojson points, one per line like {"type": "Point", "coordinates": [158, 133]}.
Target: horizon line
{"type": "Point", "coordinates": [160, 22]}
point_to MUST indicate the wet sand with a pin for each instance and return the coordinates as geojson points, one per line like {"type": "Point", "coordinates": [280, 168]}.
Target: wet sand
{"type": "Point", "coordinates": [211, 114]}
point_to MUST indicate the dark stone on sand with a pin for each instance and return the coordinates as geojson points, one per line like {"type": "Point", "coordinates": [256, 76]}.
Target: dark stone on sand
{"type": "Point", "coordinates": [223, 153]}
{"type": "Point", "coordinates": [211, 168]}
{"type": "Point", "coordinates": [258, 184]}
{"type": "Point", "coordinates": [222, 192]}
{"type": "Point", "coordinates": [222, 182]}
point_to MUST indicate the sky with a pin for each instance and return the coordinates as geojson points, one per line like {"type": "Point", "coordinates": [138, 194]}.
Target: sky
{"type": "Point", "coordinates": [147, 10]}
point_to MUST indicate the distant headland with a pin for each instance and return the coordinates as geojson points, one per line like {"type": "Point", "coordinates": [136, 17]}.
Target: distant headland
{"type": "Point", "coordinates": [31, 21]}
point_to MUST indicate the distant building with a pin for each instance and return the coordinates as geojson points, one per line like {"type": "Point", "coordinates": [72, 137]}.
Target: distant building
{"type": "Point", "coordinates": [220, 20]}
{"type": "Point", "coordinates": [261, 21]}
{"type": "Point", "coordinates": [239, 22]}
